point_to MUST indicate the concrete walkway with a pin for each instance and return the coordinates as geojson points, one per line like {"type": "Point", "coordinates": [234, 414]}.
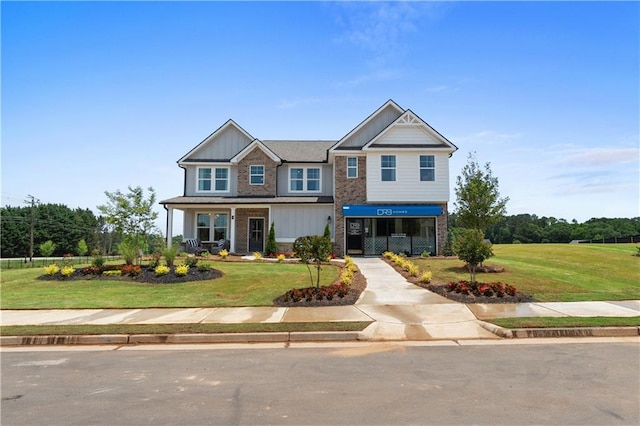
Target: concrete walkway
{"type": "Point", "coordinates": [399, 311]}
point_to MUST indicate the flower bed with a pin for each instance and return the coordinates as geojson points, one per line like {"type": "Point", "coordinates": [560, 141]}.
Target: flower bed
{"type": "Point", "coordinates": [135, 273]}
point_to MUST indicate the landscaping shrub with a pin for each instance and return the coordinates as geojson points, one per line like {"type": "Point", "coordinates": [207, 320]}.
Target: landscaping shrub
{"type": "Point", "coordinates": [47, 248]}
{"type": "Point", "coordinates": [170, 254]}
{"type": "Point", "coordinates": [191, 261]}
{"type": "Point", "coordinates": [223, 253]}
{"type": "Point", "coordinates": [131, 270]}
{"type": "Point", "coordinates": [162, 270]}
{"type": "Point", "coordinates": [182, 270]}
{"type": "Point", "coordinates": [98, 260]}
{"type": "Point", "coordinates": [204, 266]}
{"type": "Point", "coordinates": [257, 255]}
{"type": "Point", "coordinates": [51, 269]}
{"type": "Point", "coordinates": [67, 271]}
{"type": "Point", "coordinates": [426, 277]}
{"type": "Point", "coordinates": [112, 272]}
{"type": "Point", "coordinates": [281, 257]}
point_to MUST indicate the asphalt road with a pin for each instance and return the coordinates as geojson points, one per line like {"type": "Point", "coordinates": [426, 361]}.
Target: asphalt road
{"type": "Point", "coordinates": [354, 384]}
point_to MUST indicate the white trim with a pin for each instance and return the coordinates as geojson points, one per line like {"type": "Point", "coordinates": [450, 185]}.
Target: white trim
{"type": "Point", "coordinates": [263, 174]}
{"type": "Point", "coordinates": [409, 118]}
{"type": "Point", "coordinates": [255, 143]}
{"type": "Point", "coordinates": [347, 167]}
{"type": "Point", "coordinates": [212, 226]}
{"type": "Point", "coordinates": [420, 168]}
{"type": "Point", "coordinates": [305, 180]}
{"type": "Point", "coordinates": [213, 189]}
{"type": "Point", "coordinates": [213, 135]}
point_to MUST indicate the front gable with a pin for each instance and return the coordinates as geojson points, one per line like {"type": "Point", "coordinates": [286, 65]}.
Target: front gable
{"type": "Point", "coordinates": [410, 131]}
{"type": "Point", "coordinates": [220, 146]}
{"type": "Point", "coordinates": [253, 148]}
{"type": "Point", "coordinates": [370, 127]}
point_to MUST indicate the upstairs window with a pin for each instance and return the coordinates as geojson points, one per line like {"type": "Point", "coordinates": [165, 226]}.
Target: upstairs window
{"type": "Point", "coordinates": [388, 168]}
{"type": "Point", "coordinates": [352, 167]}
{"type": "Point", "coordinates": [304, 179]}
{"type": "Point", "coordinates": [296, 179]}
{"type": "Point", "coordinates": [256, 175]}
{"type": "Point", "coordinates": [204, 179]}
{"type": "Point", "coordinates": [222, 180]}
{"type": "Point", "coordinates": [427, 168]}
{"type": "Point", "coordinates": [213, 179]}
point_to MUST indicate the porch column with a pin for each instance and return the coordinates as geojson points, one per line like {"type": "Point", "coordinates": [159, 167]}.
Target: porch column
{"type": "Point", "coordinates": [232, 231]}
{"type": "Point", "coordinates": [169, 226]}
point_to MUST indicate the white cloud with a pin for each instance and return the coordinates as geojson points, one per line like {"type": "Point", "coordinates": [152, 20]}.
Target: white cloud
{"type": "Point", "coordinates": [599, 157]}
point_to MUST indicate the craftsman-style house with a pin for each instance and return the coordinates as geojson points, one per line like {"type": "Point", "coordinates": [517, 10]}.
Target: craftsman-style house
{"type": "Point", "coordinates": [383, 186]}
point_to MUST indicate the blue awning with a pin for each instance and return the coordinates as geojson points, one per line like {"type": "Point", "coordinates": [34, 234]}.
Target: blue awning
{"type": "Point", "coordinates": [365, 210]}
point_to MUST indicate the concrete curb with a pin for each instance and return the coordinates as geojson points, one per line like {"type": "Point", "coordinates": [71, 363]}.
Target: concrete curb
{"type": "Point", "coordinates": [135, 339]}
{"type": "Point", "coordinates": [576, 332]}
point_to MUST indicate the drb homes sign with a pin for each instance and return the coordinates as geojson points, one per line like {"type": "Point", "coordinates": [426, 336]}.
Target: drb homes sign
{"type": "Point", "coordinates": [365, 210]}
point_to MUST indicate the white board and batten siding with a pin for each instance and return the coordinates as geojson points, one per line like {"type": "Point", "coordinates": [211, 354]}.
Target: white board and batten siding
{"type": "Point", "coordinates": [407, 186]}
{"type": "Point", "coordinates": [295, 220]}
{"type": "Point", "coordinates": [409, 134]}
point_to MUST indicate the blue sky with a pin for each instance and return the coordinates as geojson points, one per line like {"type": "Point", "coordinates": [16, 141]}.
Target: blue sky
{"type": "Point", "coordinates": [99, 96]}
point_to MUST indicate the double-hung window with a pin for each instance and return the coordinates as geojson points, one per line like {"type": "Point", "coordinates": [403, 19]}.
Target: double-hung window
{"type": "Point", "coordinates": [213, 179]}
{"type": "Point", "coordinates": [427, 168]}
{"type": "Point", "coordinates": [256, 175]}
{"type": "Point", "coordinates": [388, 168]}
{"type": "Point", "coordinates": [304, 179]}
{"type": "Point", "coordinates": [204, 230]}
{"type": "Point", "coordinates": [352, 167]}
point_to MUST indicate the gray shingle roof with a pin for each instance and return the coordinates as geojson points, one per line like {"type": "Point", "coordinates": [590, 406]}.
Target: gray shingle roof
{"type": "Point", "coordinates": [300, 151]}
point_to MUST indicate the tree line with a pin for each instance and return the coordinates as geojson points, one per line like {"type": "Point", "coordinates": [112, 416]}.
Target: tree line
{"type": "Point", "coordinates": [529, 229]}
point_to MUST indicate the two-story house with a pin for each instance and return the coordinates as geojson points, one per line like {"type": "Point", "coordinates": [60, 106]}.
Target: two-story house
{"type": "Point", "coordinates": [383, 186]}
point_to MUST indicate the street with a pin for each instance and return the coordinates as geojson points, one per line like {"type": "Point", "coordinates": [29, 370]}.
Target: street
{"type": "Point", "coordinates": [582, 381]}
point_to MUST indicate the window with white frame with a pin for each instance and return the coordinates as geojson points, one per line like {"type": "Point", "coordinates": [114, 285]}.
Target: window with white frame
{"type": "Point", "coordinates": [427, 168]}
{"type": "Point", "coordinates": [222, 179]}
{"type": "Point", "coordinates": [352, 167]}
{"type": "Point", "coordinates": [204, 179]}
{"type": "Point", "coordinates": [304, 179]}
{"type": "Point", "coordinates": [256, 175]}
{"type": "Point", "coordinates": [203, 227]}
{"type": "Point", "coordinates": [213, 179]}
{"type": "Point", "coordinates": [206, 230]}
{"type": "Point", "coordinates": [388, 168]}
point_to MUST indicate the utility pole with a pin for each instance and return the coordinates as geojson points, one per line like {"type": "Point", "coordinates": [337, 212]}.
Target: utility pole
{"type": "Point", "coordinates": [32, 201]}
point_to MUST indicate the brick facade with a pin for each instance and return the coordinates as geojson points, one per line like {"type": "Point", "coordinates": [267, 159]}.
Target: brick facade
{"type": "Point", "coordinates": [347, 191]}
{"type": "Point", "coordinates": [257, 157]}
{"type": "Point", "coordinates": [441, 228]}
{"type": "Point", "coordinates": [242, 227]}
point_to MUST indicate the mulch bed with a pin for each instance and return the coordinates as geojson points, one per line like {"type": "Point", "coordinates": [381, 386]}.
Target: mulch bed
{"type": "Point", "coordinates": [441, 289]}
{"type": "Point", "coordinates": [358, 285]}
{"type": "Point", "coordinates": [147, 276]}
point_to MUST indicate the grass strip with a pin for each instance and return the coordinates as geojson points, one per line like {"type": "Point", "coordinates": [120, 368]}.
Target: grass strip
{"type": "Point", "coordinates": [89, 329]}
{"type": "Point", "coordinates": [553, 322]}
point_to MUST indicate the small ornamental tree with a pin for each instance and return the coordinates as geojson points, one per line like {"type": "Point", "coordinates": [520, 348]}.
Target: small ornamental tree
{"type": "Point", "coordinates": [131, 214]}
{"type": "Point", "coordinates": [82, 248]}
{"type": "Point", "coordinates": [271, 247]}
{"type": "Point", "coordinates": [478, 198]}
{"type": "Point", "coordinates": [47, 248]}
{"type": "Point", "coordinates": [313, 248]}
{"type": "Point", "coordinates": [470, 247]}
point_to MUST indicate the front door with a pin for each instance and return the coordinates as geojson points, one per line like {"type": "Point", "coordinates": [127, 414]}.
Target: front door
{"type": "Point", "coordinates": [256, 235]}
{"type": "Point", "coordinates": [355, 236]}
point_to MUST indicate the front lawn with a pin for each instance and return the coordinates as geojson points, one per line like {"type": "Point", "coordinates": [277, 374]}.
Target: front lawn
{"type": "Point", "coordinates": [243, 284]}
{"type": "Point", "coordinates": [555, 272]}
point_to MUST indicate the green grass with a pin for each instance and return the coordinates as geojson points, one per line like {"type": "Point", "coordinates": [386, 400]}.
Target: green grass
{"type": "Point", "coordinates": [51, 330]}
{"type": "Point", "coordinates": [556, 272]}
{"type": "Point", "coordinates": [243, 284]}
{"type": "Point", "coordinates": [551, 322]}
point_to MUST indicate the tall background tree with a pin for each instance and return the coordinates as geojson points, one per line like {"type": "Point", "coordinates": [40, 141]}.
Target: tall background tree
{"type": "Point", "coordinates": [132, 215]}
{"type": "Point", "coordinates": [65, 227]}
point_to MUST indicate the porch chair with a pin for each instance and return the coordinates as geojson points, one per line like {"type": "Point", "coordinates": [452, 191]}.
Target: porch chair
{"type": "Point", "coordinates": [194, 246]}
{"type": "Point", "coordinates": [220, 245]}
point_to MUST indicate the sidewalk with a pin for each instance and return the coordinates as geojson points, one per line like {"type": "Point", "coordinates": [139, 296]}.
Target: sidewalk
{"type": "Point", "coordinates": [399, 311]}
